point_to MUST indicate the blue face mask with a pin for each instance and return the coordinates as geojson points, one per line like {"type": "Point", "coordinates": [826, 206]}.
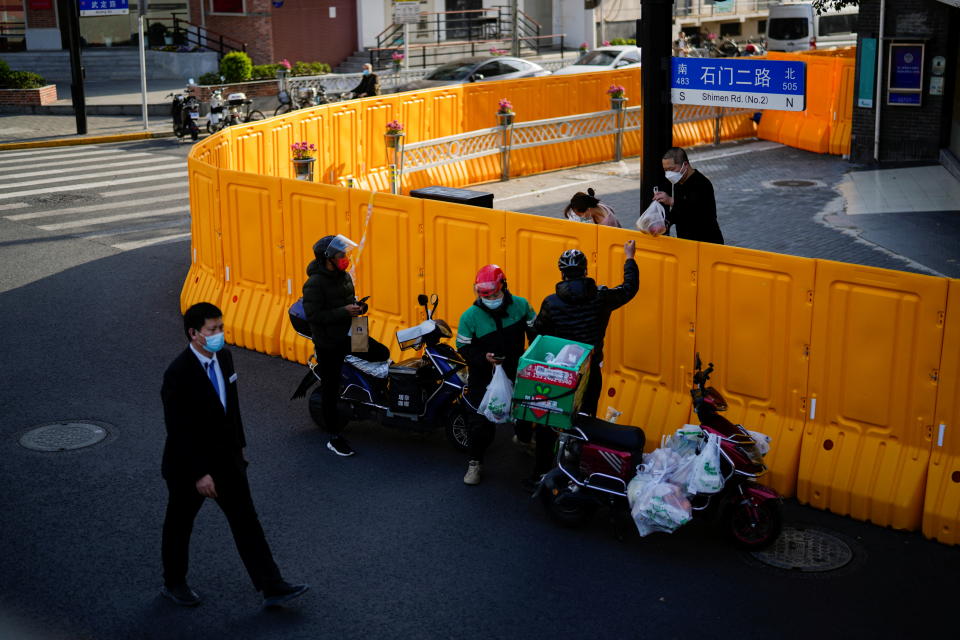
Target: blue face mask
{"type": "Point", "coordinates": [366, 72]}
{"type": "Point", "coordinates": [214, 342]}
{"type": "Point", "coordinates": [491, 303]}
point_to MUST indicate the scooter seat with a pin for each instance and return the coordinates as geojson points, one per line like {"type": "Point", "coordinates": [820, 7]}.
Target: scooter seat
{"type": "Point", "coordinates": [617, 436]}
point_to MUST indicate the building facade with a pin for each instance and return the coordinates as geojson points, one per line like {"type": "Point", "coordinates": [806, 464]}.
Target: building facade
{"type": "Point", "coordinates": [914, 61]}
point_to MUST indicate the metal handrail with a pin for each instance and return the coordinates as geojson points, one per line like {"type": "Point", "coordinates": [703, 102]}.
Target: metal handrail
{"type": "Point", "coordinates": [420, 156]}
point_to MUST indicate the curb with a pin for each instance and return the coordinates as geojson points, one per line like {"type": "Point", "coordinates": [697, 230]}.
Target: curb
{"type": "Point", "coordinates": [70, 142]}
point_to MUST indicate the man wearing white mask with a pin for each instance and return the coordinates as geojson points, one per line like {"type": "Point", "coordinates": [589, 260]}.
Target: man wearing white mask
{"type": "Point", "coordinates": [693, 208]}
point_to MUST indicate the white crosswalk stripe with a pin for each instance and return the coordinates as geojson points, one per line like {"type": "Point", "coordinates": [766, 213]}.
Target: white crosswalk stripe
{"type": "Point", "coordinates": [81, 192]}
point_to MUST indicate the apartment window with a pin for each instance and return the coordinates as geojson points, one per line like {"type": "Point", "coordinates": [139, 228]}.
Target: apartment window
{"type": "Point", "coordinates": [730, 29]}
{"type": "Point", "coordinates": [761, 26]}
{"type": "Point", "coordinates": [226, 6]}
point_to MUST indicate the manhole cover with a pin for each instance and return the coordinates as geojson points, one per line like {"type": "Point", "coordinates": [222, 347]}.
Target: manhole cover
{"type": "Point", "coordinates": [793, 183]}
{"type": "Point", "coordinates": [63, 436]}
{"type": "Point", "coordinates": [807, 550]}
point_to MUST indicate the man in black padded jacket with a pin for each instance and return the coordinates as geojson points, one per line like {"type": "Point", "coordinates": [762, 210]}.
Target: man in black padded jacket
{"type": "Point", "coordinates": [580, 310]}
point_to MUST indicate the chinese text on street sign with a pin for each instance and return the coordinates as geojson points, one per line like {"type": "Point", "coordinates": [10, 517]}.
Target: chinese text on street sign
{"type": "Point", "coordinates": [104, 7]}
{"type": "Point", "coordinates": [739, 83]}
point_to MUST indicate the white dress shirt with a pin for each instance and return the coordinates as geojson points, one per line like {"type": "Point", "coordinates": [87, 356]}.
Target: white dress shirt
{"type": "Point", "coordinates": [204, 360]}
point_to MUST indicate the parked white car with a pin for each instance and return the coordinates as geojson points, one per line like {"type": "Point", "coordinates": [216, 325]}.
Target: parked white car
{"type": "Point", "coordinates": [623, 56]}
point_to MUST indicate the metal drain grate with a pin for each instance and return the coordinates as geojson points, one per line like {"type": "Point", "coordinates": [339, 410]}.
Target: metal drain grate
{"type": "Point", "coordinates": [794, 183]}
{"type": "Point", "coordinates": [806, 550]}
{"type": "Point", "coordinates": [63, 436]}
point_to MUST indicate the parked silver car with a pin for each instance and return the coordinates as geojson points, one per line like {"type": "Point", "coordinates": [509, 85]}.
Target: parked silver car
{"type": "Point", "coordinates": [604, 58]}
{"type": "Point", "coordinates": [476, 69]}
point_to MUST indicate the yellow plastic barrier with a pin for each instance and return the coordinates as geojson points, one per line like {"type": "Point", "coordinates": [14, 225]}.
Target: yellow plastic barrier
{"type": "Point", "coordinates": [253, 240]}
{"type": "Point", "coordinates": [941, 506]}
{"type": "Point", "coordinates": [825, 125]}
{"type": "Point", "coordinates": [875, 348]}
{"type": "Point", "coordinates": [754, 317]}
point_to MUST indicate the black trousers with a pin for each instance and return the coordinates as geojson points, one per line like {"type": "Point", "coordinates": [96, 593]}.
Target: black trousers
{"type": "Point", "coordinates": [329, 366]}
{"type": "Point", "coordinates": [233, 498]}
{"type": "Point", "coordinates": [591, 396]}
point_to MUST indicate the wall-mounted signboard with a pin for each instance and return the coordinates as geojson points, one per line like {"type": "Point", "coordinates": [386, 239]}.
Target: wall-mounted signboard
{"type": "Point", "coordinates": [905, 78]}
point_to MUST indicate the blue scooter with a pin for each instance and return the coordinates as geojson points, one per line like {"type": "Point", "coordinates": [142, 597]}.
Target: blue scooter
{"type": "Point", "coordinates": [420, 393]}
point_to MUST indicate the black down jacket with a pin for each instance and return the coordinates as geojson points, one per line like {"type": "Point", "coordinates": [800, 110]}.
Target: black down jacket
{"type": "Point", "coordinates": [325, 297]}
{"type": "Point", "coordinates": [580, 310]}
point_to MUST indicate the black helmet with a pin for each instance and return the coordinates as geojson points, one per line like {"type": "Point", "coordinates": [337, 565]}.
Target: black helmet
{"type": "Point", "coordinates": [330, 246]}
{"type": "Point", "coordinates": [572, 263]}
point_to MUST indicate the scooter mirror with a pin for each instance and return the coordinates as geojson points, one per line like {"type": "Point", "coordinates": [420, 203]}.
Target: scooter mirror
{"type": "Point", "coordinates": [434, 300]}
{"type": "Point", "coordinates": [696, 362]}
{"type": "Point", "coordinates": [422, 300]}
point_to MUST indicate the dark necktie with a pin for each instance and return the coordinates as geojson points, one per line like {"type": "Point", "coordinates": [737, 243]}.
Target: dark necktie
{"type": "Point", "coordinates": [213, 377]}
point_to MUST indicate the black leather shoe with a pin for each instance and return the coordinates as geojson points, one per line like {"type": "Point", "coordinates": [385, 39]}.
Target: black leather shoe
{"type": "Point", "coordinates": [182, 595]}
{"type": "Point", "coordinates": [276, 596]}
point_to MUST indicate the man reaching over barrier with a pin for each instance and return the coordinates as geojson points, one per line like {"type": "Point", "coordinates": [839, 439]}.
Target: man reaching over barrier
{"type": "Point", "coordinates": [580, 310]}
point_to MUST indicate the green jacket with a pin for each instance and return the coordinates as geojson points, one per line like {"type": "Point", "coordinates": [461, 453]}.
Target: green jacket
{"type": "Point", "coordinates": [502, 331]}
{"type": "Point", "coordinates": [325, 294]}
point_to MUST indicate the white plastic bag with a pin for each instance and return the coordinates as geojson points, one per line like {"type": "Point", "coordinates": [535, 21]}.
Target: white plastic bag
{"type": "Point", "coordinates": [656, 504]}
{"type": "Point", "coordinates": [496, 402]}
{"type": "Point", "coordinates": [653, 220]}
{"type": "Point", "coordinates": [762, 440]}
{"type": "Point", "coordinates": [705, 476]}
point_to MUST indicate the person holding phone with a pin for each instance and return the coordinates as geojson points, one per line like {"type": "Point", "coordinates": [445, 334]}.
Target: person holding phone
{"type": "Point", "coordinates": [492, 331]}
{"type": "Point", "coordinates": [330, 304]}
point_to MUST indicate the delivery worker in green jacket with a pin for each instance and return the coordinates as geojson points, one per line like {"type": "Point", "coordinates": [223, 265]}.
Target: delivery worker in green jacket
{"type": "Point", "coordinates": [492, 331]}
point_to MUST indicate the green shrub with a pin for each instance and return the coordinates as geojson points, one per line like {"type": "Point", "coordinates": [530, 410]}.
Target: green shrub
{"type": "Point", "coordinates": [236, 66]}
{"type": "Point", "coordinates": [623, 41]}
{"type": "Point", "coordinates": [4, 70]}
{"type": "Point", "coordinates": [310, 69]}
{"type": "Point", "coordinates": [264, 71]}
{"type": "Point", "coordinates": [22, 80]}
{"type": "Point", "coordinates": [209, 78]}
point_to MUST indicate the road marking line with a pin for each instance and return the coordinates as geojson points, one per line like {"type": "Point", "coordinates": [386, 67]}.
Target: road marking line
{"type": "Point", "coordinates": [127, 246]}
{"type": "Point", "coordinates": [179, 223]}
{"type": "Point", "coordinates": [14, 205]}
{"type": "Point", "coordinates": [92, 185]}
{"type": "Point", "coordinates": [753, 147]}
{"type": "Point", "coordinates": [93, 207]}
{"type": "Point", "coordinates": [59, 168]}
{"type": "Point", "coordinates": [58, 153]}
{"type": "Point", "coordinates": [105, 219]}
{"type": "Point", "coordinates": [566, 185]}
{"type": "Point", "coordinates": [130, 192]}
{"type": "Point", "coordinates": [161, 164]}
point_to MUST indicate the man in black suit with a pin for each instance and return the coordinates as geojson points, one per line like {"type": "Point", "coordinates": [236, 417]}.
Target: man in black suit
{"type": "Point", "coordinates": [203, 458]}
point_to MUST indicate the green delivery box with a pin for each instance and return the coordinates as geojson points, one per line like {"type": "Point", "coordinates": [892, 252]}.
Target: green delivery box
{"type": "Point", "coordinates": [551, 380]}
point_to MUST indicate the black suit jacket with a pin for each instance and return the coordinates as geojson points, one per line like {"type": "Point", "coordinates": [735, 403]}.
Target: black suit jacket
{"type": "Point", "coordinates": [202, 437]}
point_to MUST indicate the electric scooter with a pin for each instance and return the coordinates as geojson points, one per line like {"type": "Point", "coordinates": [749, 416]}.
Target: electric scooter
{"type": "Point", "coordinates": [596, 460]}
{"type": "Point", "coordinates": [185, 110]}
{"type": "Point", "coordinates": [421, 393]}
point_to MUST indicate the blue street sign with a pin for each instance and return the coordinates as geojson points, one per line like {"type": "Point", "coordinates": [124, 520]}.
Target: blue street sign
{"type": "Point", "coordinates": [104, 7]}
{"type": "Point", "coordinates": [739, 83]}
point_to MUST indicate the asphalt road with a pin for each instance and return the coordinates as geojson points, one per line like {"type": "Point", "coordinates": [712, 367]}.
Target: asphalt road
{"type": "Point", "coordinates": [393, 543]}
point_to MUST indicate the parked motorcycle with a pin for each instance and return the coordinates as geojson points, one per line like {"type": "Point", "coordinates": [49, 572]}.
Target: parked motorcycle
{"type": "Point", "coordinates": [596, 460]}
{"type": "Point", "coordinates": [420, 393]}
{"type": "Point", "coordinates": [215, 118]}
{"type": "Point", "coordinates": [185, 110]}
{"type": "Point", "coordinates": [238, 110]}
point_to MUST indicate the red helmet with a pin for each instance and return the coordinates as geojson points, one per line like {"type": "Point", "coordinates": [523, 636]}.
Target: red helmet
{"type": "Point", "coordinates": [490, 281]}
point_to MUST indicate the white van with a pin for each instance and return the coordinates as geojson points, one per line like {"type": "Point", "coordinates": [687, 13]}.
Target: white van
{"type": "Point", "coordinates": [797, 27]}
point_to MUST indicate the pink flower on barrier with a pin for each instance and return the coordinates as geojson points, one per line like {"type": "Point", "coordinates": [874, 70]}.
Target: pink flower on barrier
{"type": "Point", "coordinates": [606, 43]}
{"type": "Point", "coordinates": [504, 106]}
{"type": "Point", "coordinates": [616, 91]}
{"type": "Point", "coordinates": [394, 127]}
{"type": "Point", "coordinates": [303, 150]}
{"type": "Point", "coordinates": [396, 56]}
{"type": "Point", "coordinates": [285, 64]}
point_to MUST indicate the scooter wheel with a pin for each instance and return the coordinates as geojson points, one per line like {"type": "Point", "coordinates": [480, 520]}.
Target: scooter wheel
{"type": "Point", "coordinates": [284, 108]}
{"type": "Point", "coordinates": [456, 430]}
{"type": "Point", "coordinates": [194, 134]}
{"type": "Point", "coordinates": [751, 525]}
{"type": "Point", "coordinates": [565, 508]}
